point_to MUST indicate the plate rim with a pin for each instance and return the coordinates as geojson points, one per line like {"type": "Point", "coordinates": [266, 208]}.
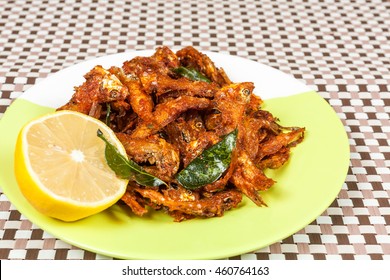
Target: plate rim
{"type": "Point", "coordinates": [290, 86]}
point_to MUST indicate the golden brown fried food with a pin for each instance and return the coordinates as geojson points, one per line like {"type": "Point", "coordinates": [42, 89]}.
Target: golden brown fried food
{"type": "Point", "coordinates": [141, 102]}
{"type": "Point", "coordinates": [276, 160]}
{"type": "Point", "coordinates": [231, 115]}
{"type": "Point", "coordinates": [153, 150]}
{"type": "Point", "coordinates": [134, 201]}
{"type": "Point", "coordinates": [156, 76]}
{"type": "Point", "coordinates": [100, 87]}
{"type": "Point", "coordinates": [165, 120]}
{"type": "Point", "coordinates": [167, 112]}
{"type": "Point", "coordinates": [249, 179]}
{"type": "Point", "coordinates": [189, 134]}
{"type": "Point", "coordinates": [276, 143]}
{"type": "Point", "coordinates": [190, 205]}
{"type": "Point", "coordinates": [182, 86]}
{"type": "Point", "coordinates": [190, 57]}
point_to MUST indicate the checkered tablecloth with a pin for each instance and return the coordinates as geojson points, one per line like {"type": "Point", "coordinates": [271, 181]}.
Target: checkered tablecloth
{"type": "Point", "coordinates": [339, 48]}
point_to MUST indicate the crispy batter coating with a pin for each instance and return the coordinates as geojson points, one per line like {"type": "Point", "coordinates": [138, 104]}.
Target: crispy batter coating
{"type": "Point", "coordinates": [189, 134]}
{"type": "Point", "coordinates": [100, 87]}
{"type": "Point", "coordinates": [276, 143]}
{"type": "Point", "coordinates": [190, 205]}
{"type": "Point", "coordinates": [231, 115]}
{"type": "Point", "coordinates": [190, 57]}
{"type": "Point", "coordinates": [165, 121]}
{"type": "Point", "coordinates": [141, 102]}
{"type": "Point", "coordinates": [153, 150]}
{"type": "Point", "coordinates": [134, 201]}
{"type": "Point", "coordinates": [167, 112]}
{"type": "Point", "coordinates": [249, 179]}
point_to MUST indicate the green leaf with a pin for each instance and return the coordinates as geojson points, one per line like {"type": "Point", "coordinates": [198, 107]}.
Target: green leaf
{"type": "Point", "coordinates": [210, 165]}
{"type": "Point", "coordinates": [191, 74]}
{"type": "Point", "coordinates": [126, 168]}
{"type": "Point", "coordinates": [108, 114]}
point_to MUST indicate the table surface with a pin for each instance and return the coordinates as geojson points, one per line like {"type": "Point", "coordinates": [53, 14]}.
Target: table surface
{"type": "Point", "coordinates": [338, 48]}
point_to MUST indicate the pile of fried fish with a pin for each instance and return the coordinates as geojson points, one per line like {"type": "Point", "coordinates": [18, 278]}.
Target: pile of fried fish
{"type": "Point", "coordinates": [168, 110]}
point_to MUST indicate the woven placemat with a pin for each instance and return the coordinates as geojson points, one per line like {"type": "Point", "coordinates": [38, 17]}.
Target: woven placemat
{"type": "Point", "coordinates": [339, 48]}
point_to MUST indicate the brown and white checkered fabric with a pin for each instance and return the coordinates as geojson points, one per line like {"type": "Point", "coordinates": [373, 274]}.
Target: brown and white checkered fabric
{"type": "Point", "coordinates": [338, 47]}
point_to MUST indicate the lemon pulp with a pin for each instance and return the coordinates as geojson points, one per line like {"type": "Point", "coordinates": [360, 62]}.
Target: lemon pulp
{"type": "Point", "coordinates": [61, 169]}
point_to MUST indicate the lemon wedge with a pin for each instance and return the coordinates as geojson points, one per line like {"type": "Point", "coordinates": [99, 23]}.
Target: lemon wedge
{"type": "Point", "coordinates": [61, 169]}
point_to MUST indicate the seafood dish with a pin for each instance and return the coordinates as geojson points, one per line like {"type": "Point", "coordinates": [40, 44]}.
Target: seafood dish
{"type": "Point", "coordinates": [182, 120]}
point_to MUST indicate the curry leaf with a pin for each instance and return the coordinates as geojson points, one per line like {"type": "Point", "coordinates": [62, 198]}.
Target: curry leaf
{"type": "Point", "coordinates": [108, 114]}
{"type": "Point", "coordinates": [126, 168]}
{"type": "Point", "coordinates": [191, 74]}
{"type": "Point", "coordinates": [210, 165]}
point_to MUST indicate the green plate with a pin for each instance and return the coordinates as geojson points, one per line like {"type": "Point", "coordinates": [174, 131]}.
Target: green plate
{"type": "Point", "coordinates": [305, 186]}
